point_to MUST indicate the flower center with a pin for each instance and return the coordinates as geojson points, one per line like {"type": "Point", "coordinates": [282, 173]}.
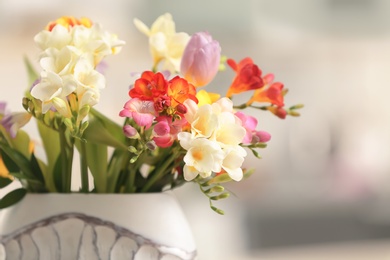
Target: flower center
{"type": "Point", "coordinates": [197, 155]}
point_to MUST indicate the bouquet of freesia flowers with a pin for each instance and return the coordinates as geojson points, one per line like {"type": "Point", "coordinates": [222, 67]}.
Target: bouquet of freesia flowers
{"type": "Point", "coordinates": [174, 131]}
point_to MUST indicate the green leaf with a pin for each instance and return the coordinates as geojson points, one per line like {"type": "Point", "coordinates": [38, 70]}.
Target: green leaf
{"type": "Point", "coordinates": [21, 142]}
{"type": "Point", "coordinates": [31, 181]}
{"type": "Point", "coordinates": [32, 74]}
{"type": "Point", "coordinates": [21, 168]}
{"type": "Point", "coordinates": [114, 169]}
{"type": "Point", "coordinates": [97, 157]}
{"type": "Point", "coordinates": [18, 160]}
{"type": "Point", "coordinates": [104, 131]}
{"type": "Point", "coordinates": [12, 198]}
{"type": "Point", "coordinates": [56, 174]}
{"type": "Point", "coordinates": [4, 182]}
{"type": "Point", "coordinates": [36, 169]}
{"type": "Point", "coordinates": [9, 163]}
{"type": "Point", "coordinates": [50, 139]}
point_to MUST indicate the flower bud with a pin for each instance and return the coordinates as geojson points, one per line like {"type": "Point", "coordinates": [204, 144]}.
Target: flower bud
{"type": "Point", "coordinates": [130, 132]}
{"type": "Point", "coordinates": [84, 111]}
{"type": "Point", "coordinates": [62, 107]}
{"type": "Point", "coordinates": [151, 145]}
{"type": "Point", "coordinates": [262, 136]}
{"type": "Point", "coordinates": [277, 111]}
{"type": "Point", "coordinates": [201, 59]}
{"type": "Point", "coordinates": [182, 109]}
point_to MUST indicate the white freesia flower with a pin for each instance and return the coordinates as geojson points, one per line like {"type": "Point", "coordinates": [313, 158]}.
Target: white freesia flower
{"type": "Point", "coordinates": [58, 38]}
{"type": "Point", "coordinates": [52, 85]}
{"type": "Point", "coordinates": [213, 128]}
{"type": "Point", "coordinates": [89, 97]}
{"type": "Point", "coordinates": [192, 109]}
{"type": "Point", "coordinates": [165, 43]}
{"type": "Point", "coordinates": [96, 41]}
{"type": "Point", "coordinates": [223, 105]}
{"type": "Point", "coordinates": [203, 120]}
{"type": "Point", "coordinates": [203, 156]}
{"type": "Point", "coordinates": [61, 61]}
{"type": "Point", "coordinates": [230, 132]}
{"type": "Point", "coordinates": [232, 163]}
{"type": "Point", "coordinates": [89, 82]}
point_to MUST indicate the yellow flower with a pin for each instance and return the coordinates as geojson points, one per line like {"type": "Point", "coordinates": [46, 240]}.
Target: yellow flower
{"type": "Point", "coordinates": [164, 42]}
{"type": "Point", "coordinates": [205, 97]}
{"type": "Point", "coordinates": [4, 173]}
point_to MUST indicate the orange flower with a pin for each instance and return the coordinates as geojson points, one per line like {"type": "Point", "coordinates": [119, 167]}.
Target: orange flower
{"type": "Point", "coordinates": [248, 76]}
{"type": "Point", "coordinates": [149, 87]}
{"type": "Point", "coordinates": [180, 90]}
{"type": "Point", "coordinates": [164, 94]}
{"type": "Point", "coordinates": [68, 22]}
{"type": "Point", "coordinates": [271, 92]}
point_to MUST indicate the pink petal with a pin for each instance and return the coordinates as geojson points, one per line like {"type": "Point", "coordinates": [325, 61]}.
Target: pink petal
{"type": "Point", "coordinates": [161, 128]}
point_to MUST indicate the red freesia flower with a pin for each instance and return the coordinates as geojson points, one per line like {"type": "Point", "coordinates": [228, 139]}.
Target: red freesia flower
{"type": "Point", "coordinates": [248, 76]}
{"type": "Point", "coordinates": [150, 86]}
{"type": "Point", "coordinates": [167, 96]}
{"type": "Point", "coordinates": [271, 92]}
{"type": "Point", "coordinates": [278, 111]}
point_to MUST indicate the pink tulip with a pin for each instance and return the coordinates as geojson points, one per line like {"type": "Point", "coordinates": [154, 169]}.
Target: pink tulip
{"type": "Point", "coordinates": [201, 59]}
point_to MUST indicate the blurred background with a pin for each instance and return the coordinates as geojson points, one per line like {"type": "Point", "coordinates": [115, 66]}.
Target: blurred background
{"type": "Point", "coordinates": [322, 189]}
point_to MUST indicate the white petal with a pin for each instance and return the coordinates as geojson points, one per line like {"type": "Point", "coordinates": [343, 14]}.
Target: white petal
{"type": "Point", "coordinates": [192, 109]}
{"type": "Point", "coordinates": [230, 134]}
{"type": "Point", "coordinates": [225, 104]}
{"type": "Point", "coordinates": [163, 23]}
{"type": "Point", "coordinates": [141, 27]}
{"type": "Point", "coordinates": [58, 38]}
{"type": "Point", "coordinates": [235, 174]}
{"type": "Point", "coordinates": [232, 165]}
{"type": "Point", "coordinates": [90, 97]}
{"type": "Point", "coordinates": [158, 45]}
{"type": "Point", "coordinates": [48, 87]}
{"type": "Point", "coordinates": [185, 140]}
{"type": "Point", "coordinates": [189, 172]}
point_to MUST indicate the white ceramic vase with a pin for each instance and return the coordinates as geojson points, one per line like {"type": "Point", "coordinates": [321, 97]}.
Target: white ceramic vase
{"type": "Point", "coordinates": [96, 226]}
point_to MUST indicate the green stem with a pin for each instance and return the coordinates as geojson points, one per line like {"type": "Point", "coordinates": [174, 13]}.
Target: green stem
{"type": "Point", "coordinates": [159, 172]}
{"type": "Point", "coordinates": [133, 168]}
{"type": "Point", "coordinates": [84, 168]}
{"type": "Point", "coordinates": [261, 108]}
{"type": "Point", "coordinates": [66, 160]}
{"type": "Point", "coordinates": [130, 185]}
{"type": "Point", "coordinates": [242, 106]}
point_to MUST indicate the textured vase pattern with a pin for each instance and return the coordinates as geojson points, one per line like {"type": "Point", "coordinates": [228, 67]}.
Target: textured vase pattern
{"type": "Point", "coordinates": [78, 236]}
